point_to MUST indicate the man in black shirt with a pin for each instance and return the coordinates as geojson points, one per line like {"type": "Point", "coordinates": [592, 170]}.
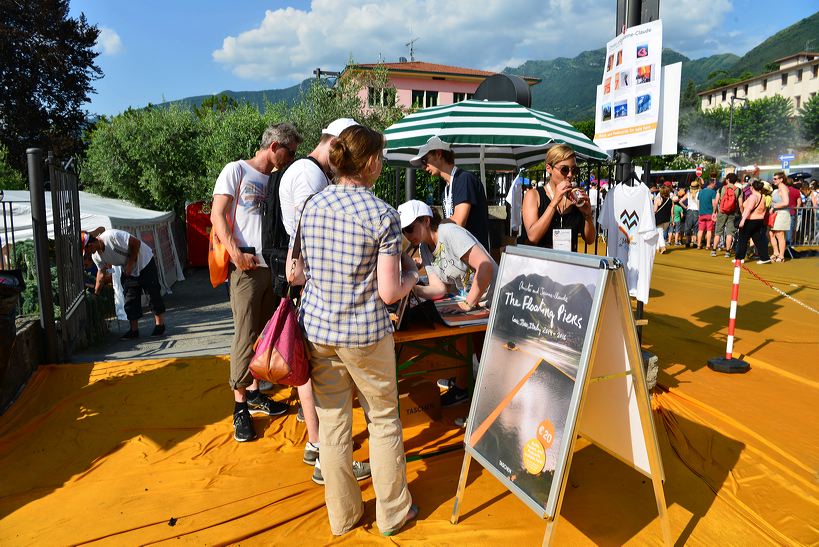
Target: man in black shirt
{"type": "Point", "coordinates": [464, 196]}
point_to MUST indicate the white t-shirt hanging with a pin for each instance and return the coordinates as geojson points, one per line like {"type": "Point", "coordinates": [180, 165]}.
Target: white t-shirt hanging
{"type": "Point", "coordinates": [247, 230]}
{"type": "Point", "coordinates": [628, 216]}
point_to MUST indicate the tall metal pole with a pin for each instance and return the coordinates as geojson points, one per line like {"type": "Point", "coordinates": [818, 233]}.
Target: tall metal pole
{"type": "Point", "coordinates": [730, 124]}
{"type": "Point", "coordinates": [39, 224]}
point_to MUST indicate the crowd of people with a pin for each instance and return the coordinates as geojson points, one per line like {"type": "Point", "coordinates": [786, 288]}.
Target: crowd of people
{"type": "Point", "coordinates": [722, 217]}
{"type": "Point", "coordinates": [355, 261]}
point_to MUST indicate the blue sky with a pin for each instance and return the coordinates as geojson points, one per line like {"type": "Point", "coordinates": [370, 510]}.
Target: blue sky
{"type": "Point", "coordinates": [153, 51]}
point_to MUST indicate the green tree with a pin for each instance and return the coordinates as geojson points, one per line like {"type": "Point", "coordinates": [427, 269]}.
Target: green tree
{"type": "Point", "coordinates": [218, 103]}
{"type": "Point", "coordinates": [809, 120]}
{"type": "Point", "coordinates": [148, 157]}
{"type": "Point", "coordinates": [586, 127]}
{"type": "Point", "coordinates": [689, 97]}
{"type": "Point", "coordinates": [763, 129]}
{"type": "Point", "coordinates": [46, 71]}
{"type": "Point", "coordinates": [10, 178]}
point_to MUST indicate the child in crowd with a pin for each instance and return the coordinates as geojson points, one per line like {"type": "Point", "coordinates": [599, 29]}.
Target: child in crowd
{"type": "Point", "coordinates": [677, 220]}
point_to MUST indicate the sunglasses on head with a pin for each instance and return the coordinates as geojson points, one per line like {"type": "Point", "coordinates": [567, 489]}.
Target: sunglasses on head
{"type": "Point", "coordinates": [565, 169]}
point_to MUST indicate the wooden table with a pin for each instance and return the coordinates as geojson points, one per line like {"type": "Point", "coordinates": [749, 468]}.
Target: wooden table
{"type": "Point", "coordinates": [424, 340]}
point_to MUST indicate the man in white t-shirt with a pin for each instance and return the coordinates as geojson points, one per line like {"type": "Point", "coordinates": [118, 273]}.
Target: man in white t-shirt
{"type": "Point", "coordinates": [309, 175]}
{"type": "Point", "coordinates": [119, 248]}
{"type": "Point", "coordinates": [236, 216]}
{"type": "Point", "coordinates": [302, 179]}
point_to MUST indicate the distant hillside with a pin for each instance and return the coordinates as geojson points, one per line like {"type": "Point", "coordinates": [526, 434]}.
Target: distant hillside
{"type": "Point", "coordinates": [256, 98]}
{"type": "Point", "coordinates": [566, 91]}
{"type": "Point", "coordinates": [785, 42]}
{"type": "Point", "coordinates": [567, 87]}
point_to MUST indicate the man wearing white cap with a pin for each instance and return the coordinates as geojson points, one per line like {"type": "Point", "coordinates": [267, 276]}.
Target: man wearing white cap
{"type": "Point", "coordinates": [308, 175]}
{"type": "Point", "coordinates": [302, 179]}
{"type": "Point", "coordinates": [464, 196]}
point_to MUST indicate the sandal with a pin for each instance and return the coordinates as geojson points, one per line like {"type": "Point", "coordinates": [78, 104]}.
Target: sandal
{"type": "Point", "coordinates": [412, 514]}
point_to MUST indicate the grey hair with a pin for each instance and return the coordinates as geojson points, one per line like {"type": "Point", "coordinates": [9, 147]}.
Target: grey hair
{"type": "Point", "coordinates": [284, 133]}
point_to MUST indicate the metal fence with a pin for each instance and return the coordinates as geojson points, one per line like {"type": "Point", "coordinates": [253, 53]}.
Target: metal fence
{"type": "Point", "coordinates": [65, 208]}
{"type": "Point", "coordinates": [806, 228]}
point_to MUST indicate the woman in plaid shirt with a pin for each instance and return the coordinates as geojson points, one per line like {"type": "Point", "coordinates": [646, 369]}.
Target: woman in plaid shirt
{"type": "Point", "coordinates": [351, 246]}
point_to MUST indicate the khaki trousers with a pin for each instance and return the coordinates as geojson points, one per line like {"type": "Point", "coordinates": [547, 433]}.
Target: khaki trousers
{"type": "Point", "coordinates": [336, 372]}
{"type": "Point", "coordinates": [252, 302]}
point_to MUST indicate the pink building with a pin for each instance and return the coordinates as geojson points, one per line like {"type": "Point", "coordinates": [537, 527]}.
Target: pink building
{"type": "Point", "coordinates": [424, 84]}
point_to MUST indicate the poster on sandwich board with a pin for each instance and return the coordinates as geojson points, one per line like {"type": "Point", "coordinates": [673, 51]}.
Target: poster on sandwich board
{"type": "Point", "coordinates": [628, 99]}
{"type": "Point", "coordinates": [533, 364]}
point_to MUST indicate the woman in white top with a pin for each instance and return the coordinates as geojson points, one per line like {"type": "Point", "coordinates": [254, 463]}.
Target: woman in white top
{"type": "Point", "coordinates": [782, 222]}
{"type": "Point", "coordinates": [692, 211]}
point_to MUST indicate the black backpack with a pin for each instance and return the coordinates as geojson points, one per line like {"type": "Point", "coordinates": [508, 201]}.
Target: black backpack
{"type": "Point", "coordinates": [274, 237]}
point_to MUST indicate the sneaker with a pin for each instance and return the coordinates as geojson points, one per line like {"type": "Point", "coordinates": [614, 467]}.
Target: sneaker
{"type": "Point", "coordinates": [300, 415]}
{"type": "Point", "coordinates": [454, 396]}
{"type": "Point", "coordinates": [243, 427]}
{"type": "Point", "coordinates": [311, 454]}
{"type": "Point", "coordinates": [460, 422]}
{"type": "Point", "coordinates": [130, 335]}
{"type": "Point", "coordinates": [446, 383]}
{"type": "Point", "coordinates": [159, 330]}
{"type": "Point", "coordinates": [361, 471]}
{"type": "Point", "coordinates": [764, 261]}
{"type": "Point", "coordinates": [727, 254]}
{"type": "Point", "coordinates": [262, 404]}
{"type": "Point", "coordinates": [713, 253]}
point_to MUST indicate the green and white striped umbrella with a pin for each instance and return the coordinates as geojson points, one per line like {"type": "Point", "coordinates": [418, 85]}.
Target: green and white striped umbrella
{"type": "Point", "coordinates": [500, 135]}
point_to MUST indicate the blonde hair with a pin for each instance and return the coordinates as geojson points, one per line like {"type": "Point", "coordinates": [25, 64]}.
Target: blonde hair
{"type": "Point", "coordinates": [558, 153]}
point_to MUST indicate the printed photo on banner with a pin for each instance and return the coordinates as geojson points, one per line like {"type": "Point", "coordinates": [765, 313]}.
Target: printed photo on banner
{"type": "Point", "coordinates": [643, 103]}
{"type": "Point", "coordinates": [607, 86]}
{"type": "Point", "coordinates": [625, 78]}
{"type": "Point", "coordinates": [620, 109]}
{"type": "Point", "coordinates": [528, 371]}
{"type": "Point", "coordinates": [619, 60]}
{"type": "Point", "coordinates": [644, 74]}
{"type": "Point", "coordinates": [642, 51]}
{"type": "Point", "coordinates": [606, 112]}
{"type": "Point", "coordinates": [616, 78]}
{"type": "Point", "coordinates": [610, 62]}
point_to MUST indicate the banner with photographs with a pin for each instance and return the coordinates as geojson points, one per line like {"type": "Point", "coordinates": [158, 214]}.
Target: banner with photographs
{"type": "Point", "coordinates": [532, 370]}
{"type": "Point", "coordinates": [628, 101]}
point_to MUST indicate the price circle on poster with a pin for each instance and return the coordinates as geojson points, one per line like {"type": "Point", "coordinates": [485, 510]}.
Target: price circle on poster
{"type": "Point", "coordinates": [546, 433]}
{"type": "Point", "coordinates": [699, 171]}
{"type": "Point", "coordinates": [534, 456]}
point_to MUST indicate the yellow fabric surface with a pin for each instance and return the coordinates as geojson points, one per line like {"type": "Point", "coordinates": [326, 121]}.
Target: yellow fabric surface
{"type": "Point", "coordinates": [109, 453]}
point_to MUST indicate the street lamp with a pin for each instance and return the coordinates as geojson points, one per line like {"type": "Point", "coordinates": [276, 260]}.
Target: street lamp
{"type": "Point", "coordinates": [731, 119]}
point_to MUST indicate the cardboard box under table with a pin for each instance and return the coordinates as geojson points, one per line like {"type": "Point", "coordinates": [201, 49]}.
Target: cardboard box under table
{"type": "Point", "coordinates": [427, 349]}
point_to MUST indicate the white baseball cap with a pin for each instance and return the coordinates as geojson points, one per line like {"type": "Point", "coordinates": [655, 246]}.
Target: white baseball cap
{"type": "Point", "coordinates": [337, 126]}
{"type": "Point", "coordinates": [434, 143]}
{"type": "Point", "coordinates": [411, 210]}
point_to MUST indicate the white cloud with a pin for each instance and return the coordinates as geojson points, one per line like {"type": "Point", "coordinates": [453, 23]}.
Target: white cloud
{"type": "Point", "coordinates": [109, 42]}
{"type": "Point", "coordinates": [290, 43]}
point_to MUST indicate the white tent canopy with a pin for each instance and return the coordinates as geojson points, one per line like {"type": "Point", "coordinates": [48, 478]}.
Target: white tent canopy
{"type": "Point", "coordinates": [152, 227]}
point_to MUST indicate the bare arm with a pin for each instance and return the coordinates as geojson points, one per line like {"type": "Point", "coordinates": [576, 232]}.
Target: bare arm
{"type": "Point", "coordinates": [536, 226]}
{"type": "Point", "coordinates": [100, 281]}
{"type": "Point", "coordinates": [218, 218]}
{"type": "Point", "coordinates": [133, 253]}
{"type": "Point", "coordinates": [392, 284]}
{"type": "Point", "coordinates": [461, 213]}
{"type": "Point", "coordinates": [479, 261]}
{"type": "Point", "coordinates": [435, 289]}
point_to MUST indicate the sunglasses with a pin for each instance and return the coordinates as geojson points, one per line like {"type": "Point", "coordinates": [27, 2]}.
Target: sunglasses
{"type": "Point", "coordinates": [291, 152]}
{"type": "Point", "coordinates": [565, 170]}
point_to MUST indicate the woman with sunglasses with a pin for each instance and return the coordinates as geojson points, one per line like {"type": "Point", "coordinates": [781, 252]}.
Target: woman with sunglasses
{"type": "Point", "coordinates": [554, 216]}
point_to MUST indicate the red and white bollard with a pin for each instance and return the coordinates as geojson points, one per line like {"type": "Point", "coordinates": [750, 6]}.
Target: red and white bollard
{"type": "Point", "coordinates": [728, 364]}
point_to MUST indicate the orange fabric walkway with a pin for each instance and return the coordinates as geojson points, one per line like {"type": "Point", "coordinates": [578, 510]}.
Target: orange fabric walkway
{"type": "Point", "coordinates": [110, 453]}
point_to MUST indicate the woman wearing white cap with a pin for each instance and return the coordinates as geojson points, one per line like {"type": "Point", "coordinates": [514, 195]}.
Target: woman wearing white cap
{"type": "Point", "coordinates": [453, 256]}
{"type": "Point", "coordinates": [455, 262]}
